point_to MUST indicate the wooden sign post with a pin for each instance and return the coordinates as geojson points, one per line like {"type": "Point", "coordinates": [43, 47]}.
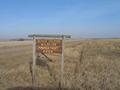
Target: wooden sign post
{"type": "Point", "coordinates": [34, 62]}
{"type": "Point", "coordinates": [48, 46]}
{"type": "Point", "coordinates": [62, 64]}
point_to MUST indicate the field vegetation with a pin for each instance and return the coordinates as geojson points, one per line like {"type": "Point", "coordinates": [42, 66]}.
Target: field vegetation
{"type": "Point", "coordinates": [91, 64]}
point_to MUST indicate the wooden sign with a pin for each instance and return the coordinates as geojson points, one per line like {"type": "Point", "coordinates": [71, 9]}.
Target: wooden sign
{"type": "Point", "coordinates": [48, 46]}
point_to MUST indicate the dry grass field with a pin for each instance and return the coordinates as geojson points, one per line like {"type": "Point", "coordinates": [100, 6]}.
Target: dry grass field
{"type": "Point", "coordinates": [89, 65]}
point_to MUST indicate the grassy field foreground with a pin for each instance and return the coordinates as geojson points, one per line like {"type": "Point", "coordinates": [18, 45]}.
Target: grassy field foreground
{"type": "Point", "coordinates": [89, 65]}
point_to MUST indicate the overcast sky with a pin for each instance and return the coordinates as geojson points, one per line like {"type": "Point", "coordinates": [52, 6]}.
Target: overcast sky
{"type": "Point", "coordinates": [79, 18]}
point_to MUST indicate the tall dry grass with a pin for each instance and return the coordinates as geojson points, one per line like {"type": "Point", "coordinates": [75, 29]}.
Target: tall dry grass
{"type": "Point", "coordinates": [89, 65]}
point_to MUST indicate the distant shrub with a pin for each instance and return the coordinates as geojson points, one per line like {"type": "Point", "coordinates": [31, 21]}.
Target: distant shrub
{"type": "Point", "coordinates": [21, 39]}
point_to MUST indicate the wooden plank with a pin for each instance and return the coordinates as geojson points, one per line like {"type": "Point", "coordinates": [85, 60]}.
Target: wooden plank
{"type": "Point", "coordinates": [49, 36]}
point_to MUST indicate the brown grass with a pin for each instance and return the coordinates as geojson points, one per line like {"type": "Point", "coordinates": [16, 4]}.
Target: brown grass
{"type": "Point", "coordinates": [89, 65]}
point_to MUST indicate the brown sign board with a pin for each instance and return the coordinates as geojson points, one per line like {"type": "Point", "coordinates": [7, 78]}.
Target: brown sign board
{"type": "Point", "coordinates": [48, 46]}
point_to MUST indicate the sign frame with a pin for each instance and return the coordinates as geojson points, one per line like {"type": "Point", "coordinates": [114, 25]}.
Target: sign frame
{"type": "Point", "coordinates": [62, 37]}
